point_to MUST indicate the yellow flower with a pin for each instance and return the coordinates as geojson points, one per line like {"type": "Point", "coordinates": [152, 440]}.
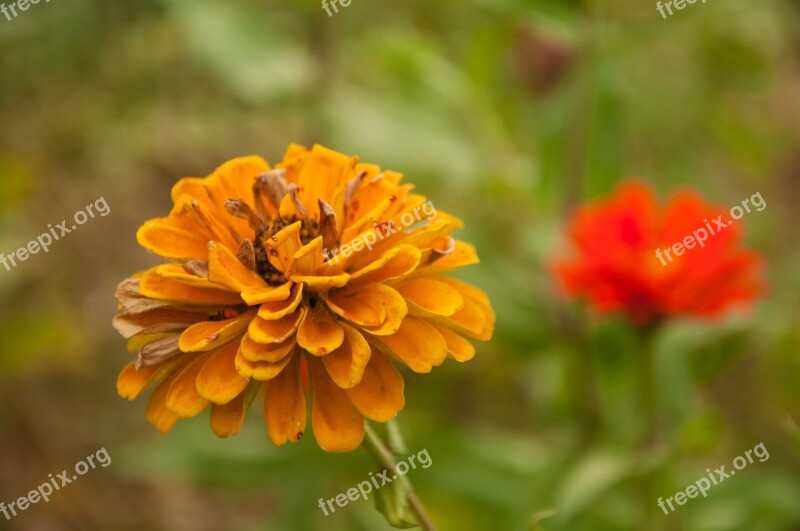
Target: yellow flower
{"type": "Point", "coordinates": [308, 276]}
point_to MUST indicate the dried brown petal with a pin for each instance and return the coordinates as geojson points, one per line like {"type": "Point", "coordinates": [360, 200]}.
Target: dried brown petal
{"type": "Point", "coordinates": [328, 225]}
{"type": "Point", "coordinates": [299, 204]}
{"type": "Point", "coordinates": [157, 352]}
{"type": "Point", "coordinates": [198, 268]}
{"type": "Point", "coordinates": [270, 186]}
{"type": "Point", "coordinates": [247, 254]}
{"type": "Point", "coordinates": [440, 253]}
{"type": "Point", "coordinates": [240, 209]}
{"type": "Point", "coordinates": [353, 186]}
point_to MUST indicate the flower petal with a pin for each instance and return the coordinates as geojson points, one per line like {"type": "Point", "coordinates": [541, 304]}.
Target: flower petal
{"type": "Point", "coordinates": [139, 341]}
{"type": "Point", "coordinates": [255, 295]}
{"type": "Point", "coordinates": [319, 333]}
{"type": "Point", "coordinates": [428, 297]}
{"type": "Point", "coordinates": [337, 424]}
{"type": "Point", "coordinates": [293, 161]}
{"type": "Point", "coordinates": [417, 344]}
{"type": "Point", "coordinates": [156, 287]}
{"type": "Point", "coordinates": [227, 419]}
{"type": "Point", "coordinates": [395, 263]}
{"type": "Point", "coordinates": [226, 269]}
{"type": "Point", "coordinates": [365, 306]}
{"type": "Point", "coordinates": [325, 172]}
{"type": "Point", "coordinates": [477, 319]}
{"type": "Point", "coordinates": [307, 261]}
{"type": "Point", "coordinates": [221, 232]}
{"type": "Point", "coordinates": [178, 273]}
{"type": "Point", "coordinates": [234, 180]}
{"type": "Point", "coordinates": [379, 396]}
{"type": "Point", "coordinates": [457, 347]}
{"type": "Point", "coordinates": [474, 321]}
{"type": "Point", "coordinates": [282, 246]}
{"type": "Point", "coordinates": [131, 325]}
{"type": "Point", "coordinates": [157, 412]}
{"type": "Point", "coordinates": [218, 380]}
{"type": "Point", "coordinates": [396, 310]}
{"type": "Point", "coordinates": [271, 353]}
{"type": "Point", "coordinates": [322, 283]}
{"type": "Point", "coordinates": [182, 396]}
{"type": "Point", "coordinates": [209, 335]}
{"type": "Point", "coordinates": [307, 266]}
{"type": "Point", "coordinates": [346, 365]}
{"type": "Point", "coordinates": [275, 330]}
{"type": "Point", "coordinates": [166, 238]}
{"type": "Point", "coordinates": [260, 370]}
{"type": "Point", "coordinates": [276, 310]}
{"type": "Point", "coordinates": [285, 405]}
{"type": "Point", "coordinates": [132, 383]}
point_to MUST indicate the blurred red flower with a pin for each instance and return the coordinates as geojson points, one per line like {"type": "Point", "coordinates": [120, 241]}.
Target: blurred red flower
{"type": "Point", "coordinates": [613, 262]}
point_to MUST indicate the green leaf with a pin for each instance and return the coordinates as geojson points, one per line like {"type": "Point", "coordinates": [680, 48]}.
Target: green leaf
{"type": "Point", "coordinates": [392, 502]}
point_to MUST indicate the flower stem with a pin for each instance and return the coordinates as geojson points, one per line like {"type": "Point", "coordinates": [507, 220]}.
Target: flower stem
{"type": "Point", "coordinates": [651, 436]}
{"type": "Point", "coordinates": [382, 455]}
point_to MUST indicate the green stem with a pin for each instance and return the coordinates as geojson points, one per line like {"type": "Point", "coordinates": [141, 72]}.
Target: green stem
{"type": "Point", "coordinates": [651, 438]}
{"type": "Point", "coordinates": [380, 453]}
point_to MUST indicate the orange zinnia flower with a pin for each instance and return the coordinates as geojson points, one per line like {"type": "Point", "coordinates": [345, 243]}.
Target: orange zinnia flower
{"type": "Point", "coordinates": [259, 296]}
{"type": "Point", "coordinates": [613, 261]}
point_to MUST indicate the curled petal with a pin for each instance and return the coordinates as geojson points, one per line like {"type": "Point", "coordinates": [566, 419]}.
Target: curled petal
{"type": "Point", "coordinates": [260, 370]}
{"type": "Point", "coordinates": [271, 353]}
{"type": "Point", "coordinates": [365, 307]}
{"type": "Point", "coordinates": [275, 330]}
{"type": "Point", "coordinates": [346, 365]}
{"type": "Point", "coordinates": [319, 333]}
{"type": "Point", "coordinates": [276, 310]}
{"type": "Point", "coordinates": [396, 310]}
{"type": "Point", "coordinates": [255, 295]}
{"type": "Point", "coordinates": [282, 246]}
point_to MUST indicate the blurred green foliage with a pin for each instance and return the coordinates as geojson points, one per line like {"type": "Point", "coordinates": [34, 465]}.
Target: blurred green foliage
{"type": "Point", "coordinates": [504, 112]}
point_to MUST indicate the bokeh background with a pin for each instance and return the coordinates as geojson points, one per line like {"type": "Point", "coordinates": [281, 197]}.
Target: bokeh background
{"type": "Point", "coordinates": [505, 112]}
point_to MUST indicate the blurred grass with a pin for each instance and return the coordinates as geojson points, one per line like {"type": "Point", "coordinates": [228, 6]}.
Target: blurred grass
{"type": "Point", "coordinates": [506, 113]}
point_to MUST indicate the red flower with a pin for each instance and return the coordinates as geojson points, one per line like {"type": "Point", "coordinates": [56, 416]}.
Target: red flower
{"type": "Point", "coordinates": [614, 262]}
